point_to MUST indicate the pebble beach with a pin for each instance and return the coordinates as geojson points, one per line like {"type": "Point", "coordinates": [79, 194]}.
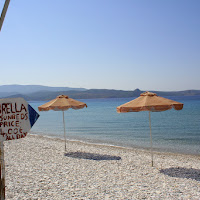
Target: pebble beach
{"type": "Point", "coordinates": [37, 167]}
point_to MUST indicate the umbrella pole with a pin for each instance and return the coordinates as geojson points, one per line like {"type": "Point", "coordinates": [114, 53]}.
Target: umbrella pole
{"type": "Point", "coordinates": [64, 129]}
{"type": "Point", "coordinates": [151, 138]}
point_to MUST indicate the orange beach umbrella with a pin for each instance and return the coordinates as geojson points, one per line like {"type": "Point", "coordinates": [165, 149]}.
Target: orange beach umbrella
{"type": "Point", "coordinates": [149, 101]}
{"type": "Point", "coordinates": [62, 103]}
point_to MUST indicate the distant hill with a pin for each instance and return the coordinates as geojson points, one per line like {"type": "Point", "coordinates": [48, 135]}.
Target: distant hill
{"type": "Point", "coordinates": [44, 93]}
{"type": "Point", "coordinates": [10, 90]}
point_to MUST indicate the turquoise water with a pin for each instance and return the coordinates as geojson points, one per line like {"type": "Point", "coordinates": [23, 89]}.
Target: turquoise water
{"type": "Point", "coordinates": [172, 131]}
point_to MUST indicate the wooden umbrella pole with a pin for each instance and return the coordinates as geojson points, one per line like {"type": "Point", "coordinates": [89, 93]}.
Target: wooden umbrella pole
{"type": "Point", "coordinates": [2, 169]}
{"type": "Point", "coordinates": [151, 138]}
{"type": "Point", "coordinates": [64, 129]}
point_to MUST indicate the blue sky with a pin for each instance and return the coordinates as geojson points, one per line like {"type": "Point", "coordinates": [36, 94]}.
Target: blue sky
{"type": "Point", "coordinates": [111, 44]}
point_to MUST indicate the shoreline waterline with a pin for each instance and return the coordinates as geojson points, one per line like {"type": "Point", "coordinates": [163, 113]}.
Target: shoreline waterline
{"type": "Point", "coordinates": [99, 144]}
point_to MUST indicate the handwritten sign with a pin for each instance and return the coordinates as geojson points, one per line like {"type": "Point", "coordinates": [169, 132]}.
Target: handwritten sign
{"type": "Point", "coordinates": [16, 118]}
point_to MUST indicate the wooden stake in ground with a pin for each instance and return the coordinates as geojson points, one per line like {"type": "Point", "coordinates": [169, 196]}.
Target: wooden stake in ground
{"type": "Point", "coordinates": [2, 172]}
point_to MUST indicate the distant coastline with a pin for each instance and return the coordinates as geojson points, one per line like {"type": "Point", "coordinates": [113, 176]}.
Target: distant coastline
{"type": "Point", "coordinates": [44, 93]}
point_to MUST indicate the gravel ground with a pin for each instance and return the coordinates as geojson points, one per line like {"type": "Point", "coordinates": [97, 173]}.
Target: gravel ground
{"type": "Point", "coordinates": [37, 168]}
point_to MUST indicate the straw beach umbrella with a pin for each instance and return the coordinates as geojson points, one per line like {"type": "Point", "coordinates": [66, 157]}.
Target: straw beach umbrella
{"type": "Point", "coordinates": [62, 103]}
{"type": "Point", "coordinates": [149, 101]}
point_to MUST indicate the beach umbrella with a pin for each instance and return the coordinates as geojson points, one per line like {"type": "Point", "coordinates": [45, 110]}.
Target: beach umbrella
{"type": "Point", "coordinates": [149, 101]}
{"type": "Point", "coordinates": [62, 103]}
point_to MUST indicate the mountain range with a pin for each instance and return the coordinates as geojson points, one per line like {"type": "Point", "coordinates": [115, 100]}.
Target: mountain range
{"type": "Point", "coordinates": [44, 93]}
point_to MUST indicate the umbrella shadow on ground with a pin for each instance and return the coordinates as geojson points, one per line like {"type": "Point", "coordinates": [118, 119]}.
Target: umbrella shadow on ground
{"type": "Point", "coordinates": [91, 156]}
{"type": "Point", "coordinates": [181, 172]}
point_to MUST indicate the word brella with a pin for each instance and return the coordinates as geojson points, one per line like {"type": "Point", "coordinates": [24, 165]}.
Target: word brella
{"type": "Point", "coordinates": [149, 101]}
{"type": "Point", "coordinates": [62, 103]}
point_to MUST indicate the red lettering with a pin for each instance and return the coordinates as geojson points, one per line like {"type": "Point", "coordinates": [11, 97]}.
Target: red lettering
{"type": "Point", "coordinates": [12, 110]}
{"type": "Point", "coordinates": [9, 131]}
{"type": "Point", "coordinates": [8, 108]}
{"type": "Point", "coordinates": [11, 117]}
{"type": "Point", "coordinates": [22, 116]}
{"type": "Point", "coordinates": [17, 123]}
{"type": "Point", "coordinates": [8, 138]}
{"type": "Point", "coordinates": [4, 108]}
{"type": "Point", "coordinates": [2, 133]}
{"type": "Point", "coordinates": [23, 108]}
{"type": "Point", "coordinates": [18, 136]}
{"type": "Point", "coordinates": [15, 131]}
{"type": "Point", "coordinates": [16, 108]}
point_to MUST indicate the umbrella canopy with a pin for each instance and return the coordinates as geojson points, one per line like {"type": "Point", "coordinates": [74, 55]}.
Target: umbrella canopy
{"type": "Point", "coordinates": [62, 103]}
{"type": "Point", "coordinates": [149, 101]}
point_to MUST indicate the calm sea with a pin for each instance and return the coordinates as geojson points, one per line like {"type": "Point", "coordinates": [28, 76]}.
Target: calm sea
{"type": "Point", "coordinates": [172, 131]}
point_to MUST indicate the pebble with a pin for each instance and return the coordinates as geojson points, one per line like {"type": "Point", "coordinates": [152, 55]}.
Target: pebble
{"type": "Point", "coordinates": [37, 168]}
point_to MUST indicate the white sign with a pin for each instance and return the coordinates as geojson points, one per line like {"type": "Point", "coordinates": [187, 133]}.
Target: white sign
{"type": "Point", "coordinates": [16, 118]}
